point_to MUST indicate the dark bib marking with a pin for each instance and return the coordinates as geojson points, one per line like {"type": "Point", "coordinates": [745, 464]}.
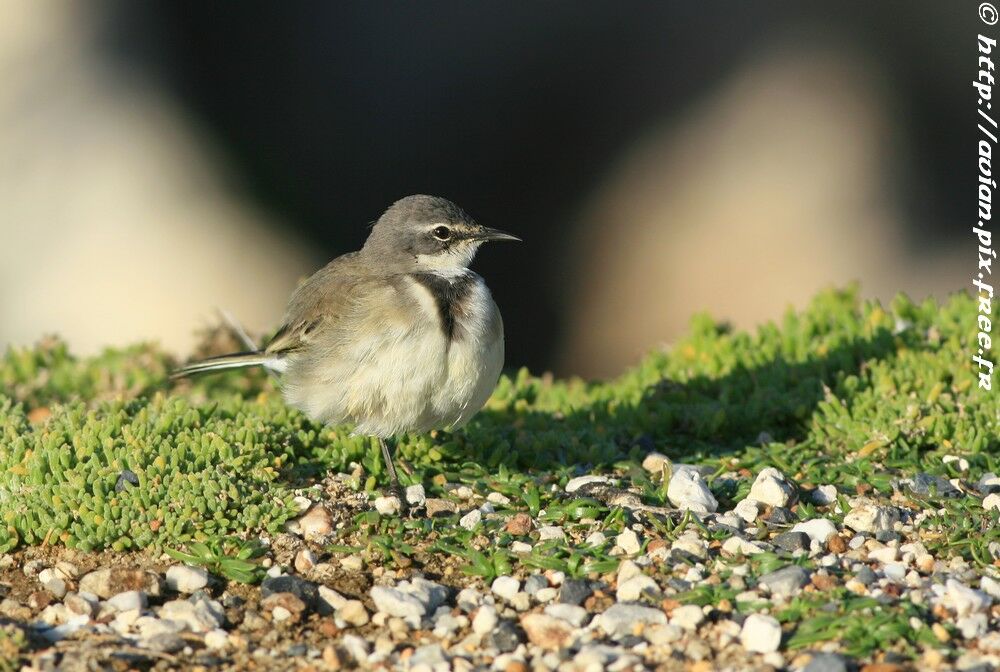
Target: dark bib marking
{"type": "Point", "coordinates": [449, 295]}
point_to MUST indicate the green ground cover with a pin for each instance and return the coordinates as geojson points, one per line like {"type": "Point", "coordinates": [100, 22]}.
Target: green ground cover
{"type": "Point", "coordinates": [844, 392]}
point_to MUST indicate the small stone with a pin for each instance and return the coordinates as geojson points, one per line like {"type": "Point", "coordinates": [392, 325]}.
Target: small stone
{"type": "Point", "coordinates": [884, 554]}
{"type": "Point", "coordinates": [960, 462]}
{"type": "Point", "coordinates": [574, 591]}
{"type": "Point", "coordinates": [110, 581]}
{"type": "Point", "coordinates": [792, 541]}
{"type": "Point", "coordinates": [964, 600]}
{"type": "Point", "coordinates": [583, 481]}
{"type": "Point", "coordinates": [972, 626]}
{"type": "Point", "coordinates": [818, 529]}
{"type": "Point", "coordinates": [534, 583]}
{"type": "Point", "coordinates": [306, 591]}
{"type": "Point", "coordinates": [485, 619]}
{"type": "Point", "coordinates": [930, 486]}
{"type": "Point", "coordinates": [519, 525]}
{"type": "Point", "coordinates": [785, 581]}
{"type": "Point", "coordinates": [387, 506]}
{"type": "Point", "coordinates": [637, 587]}
{"type": "Point", "coordinates": [128, 600]}
{"type": "Point", "coordinates": [283, 606]}
{"type": "Point", "coordinates": [824, 495]}
{"type": "Point", "coordinates": [866, 576]}
{"type": "Point", "coordinates": [655, 463]}
{"type": "Point", "coordinates": [546, 595]}
{"type": "Point", "coordinates": [547, 532]}
{"type": "Point", "coordinates": [687, 490]}
{"type": "Point", "coordinates": [216, 639]}
{"type": "Point", "coordinates": [629, 542]}
{"type": "Point", "coordinates": [316, 523]}
{"type": "Point", "coordinates": [688, 617]}
{"type": "Point", "coordinates": [304, 561]}
{"type": "Point", "coordinates": [991, 501]}
{"type": "Point", "coordinates": [165, 642]}
{"type": "Point", "coordinates": [836, 544]}
{"type": "Point", "coordinates": [397, 603]}
{"type": "Point", "coordinates": [54, 585]}
{"type": "Point", "coordinates": [662, 635]}
{"type": "Point", "coordinates": [780, 515]}
{"type": "Point", "coordinates": [571, 613]}
{"type": "Point", "coordinates": [415, 495]}
{"type": "Point", "coordinates": [739, 546]}
{"type": "Point", "coordinates": [505, 587]}
{"type": "Point", "coordinates": [33, 568]}
{"type": "Point", "coordinates": [353, 612]}
{"type": "Point", "coordinates": [439, 507]}
{"type": "Point", "coordinates": [185, 579]}
{"type": "Point", "coordinates": [470, 520]}
{"type": "Point", "coordinates": [546, 632]}
{"type": "Point", "coordinates": [747, 510]}
{"type": "Point", "coordinates": [352, 563]}
{"type": "Point", "coordinates": [80, 605]}
{"type": "Point", "coordinates": [826, 662]}
{"type": "Point", "coordinates": [498, 498]}
{"type": "Point", "coordinates": [200, 613]}
{"type": "Point", "coordinates": [867, 516]}
{"type": "Point", "coordinates": [504, 637]}
{"type": "Point", "coordinates": [620, 620]}
{"type": "Point", "coordinates": [772, 488]}
{"type": "Point", "coordinates": [990, 586]}
{"type": "Point", "coordinates": [329, 599]}
{"type": "Point", "coordinates": [760, 634]}
{"type": "Point", "coordinates": [520, 547]}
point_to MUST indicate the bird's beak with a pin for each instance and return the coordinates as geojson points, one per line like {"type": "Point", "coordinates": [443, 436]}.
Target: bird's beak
{"type": "Point", "coordinates": [486, 233]}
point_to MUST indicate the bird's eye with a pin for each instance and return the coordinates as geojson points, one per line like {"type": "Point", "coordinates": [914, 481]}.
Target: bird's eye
{"type": "Point", "coordinates": [442, 232]}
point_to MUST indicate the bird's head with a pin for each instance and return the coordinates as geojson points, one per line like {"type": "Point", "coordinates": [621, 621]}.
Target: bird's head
{"type": "Point", "coordinates": [430, 234]}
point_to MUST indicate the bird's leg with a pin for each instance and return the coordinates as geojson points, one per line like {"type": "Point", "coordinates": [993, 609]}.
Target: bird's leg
{"type": "Point", "coordinates": [387, 458]}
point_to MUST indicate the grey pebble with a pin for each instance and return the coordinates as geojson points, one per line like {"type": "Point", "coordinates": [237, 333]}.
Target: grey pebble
{"type": "Point", "coordinates": [534, 583]}
{"type": "Point", "coordinates": [781, 515]}
{"type": "Point", "coordinates": [826, 662]}
{"type": "Point", "coordinates": [307, 591]}
{"type": "Point", "coordinates": [792, 541]}
{"type": "Point", "coordinates": [574, 591]}
{"type": "Point", "coordinates": [866, 576]}
{"type": "Point", "coordinates": [505, 637]}
{"type": "Point", "coordinates": [885, 536]}
{"type": "Point", "coordinates": [929, 485]}
{"type": "Point", "coordinates": [785, 581]}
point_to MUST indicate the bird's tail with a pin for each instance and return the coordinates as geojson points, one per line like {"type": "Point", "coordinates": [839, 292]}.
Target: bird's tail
{"type": "Point", "coordinates": [236, 360]}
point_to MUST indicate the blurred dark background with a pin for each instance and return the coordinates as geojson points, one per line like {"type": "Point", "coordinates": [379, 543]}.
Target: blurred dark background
{"type": "Point", "coordinates": [657, 158]}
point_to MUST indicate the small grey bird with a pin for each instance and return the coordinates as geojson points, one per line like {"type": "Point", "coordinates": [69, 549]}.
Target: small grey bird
{"type": "Point", "coordinates": [398, 337]}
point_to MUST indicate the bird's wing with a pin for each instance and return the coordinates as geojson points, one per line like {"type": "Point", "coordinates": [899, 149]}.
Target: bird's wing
{"type": "Point", "coordinates": [324, 298]}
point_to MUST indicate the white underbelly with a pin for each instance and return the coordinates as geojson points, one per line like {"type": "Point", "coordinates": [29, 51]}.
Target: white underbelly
{"type": "Point", "coordinates": [408, 380]}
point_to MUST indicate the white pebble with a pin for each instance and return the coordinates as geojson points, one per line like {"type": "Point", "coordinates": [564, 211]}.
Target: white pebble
{"type": "Point", "coordinates": [824, 494]}
{"type": "Point", "coordinates": [505, 587]}
{"type": "Point", "coordinates": [387, 506]}
{"type": "Point", "coordinates": [817, 529]}
{"type": "Point", "coordinates": [186, 579]}
{"type": "Point", "coordinates": [688, 617]}
{"type": "Point", "coordinates": [485, 620]}
{"type": "Point", "coordinates": [687, 490]}
{"type": "Point", "coordinates": [991, 501]}
{"type": "Point", "coordinates": [760, 633]}
{"type": "Point", "coordinates": [415, 495]}
{"type": "Point", "coordinates": [471, 519]}
{"type": "Point", "coordinates": [550, 532]}
{"type": "Point", "coordinates": [216, 639]}
{"type": "Point", "coordinates": [771, 487]}
{"type": "Point", "coordinates": [629, 542]}
{"type": "Point", "coordinates": [576, 483]}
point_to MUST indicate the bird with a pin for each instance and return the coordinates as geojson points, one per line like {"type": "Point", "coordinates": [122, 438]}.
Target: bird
{"type": "Point", "coordinates": [398, 337]}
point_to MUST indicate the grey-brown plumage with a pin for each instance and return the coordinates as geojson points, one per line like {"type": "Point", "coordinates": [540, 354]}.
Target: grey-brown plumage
{"type": "Point", "coordinates": [398, 337]}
